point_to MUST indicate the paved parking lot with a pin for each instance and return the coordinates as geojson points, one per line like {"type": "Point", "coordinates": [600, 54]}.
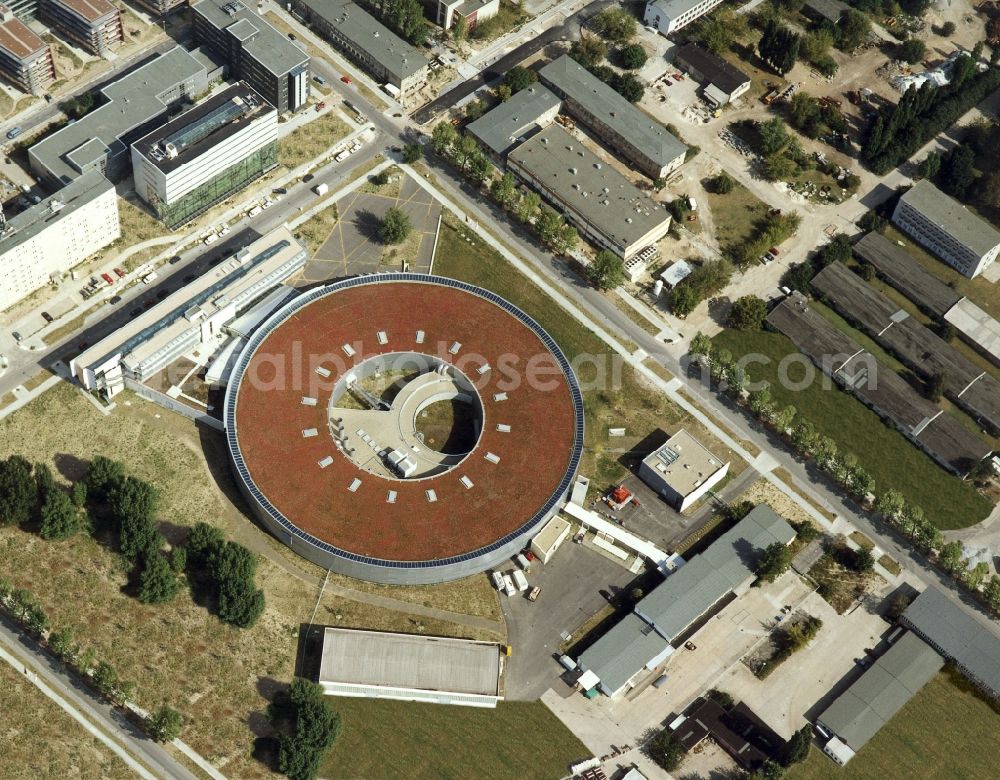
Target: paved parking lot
{"type": "Point", "coordinates": [353, 246]}
{"type": "Point", "coordinates": [571, 586]}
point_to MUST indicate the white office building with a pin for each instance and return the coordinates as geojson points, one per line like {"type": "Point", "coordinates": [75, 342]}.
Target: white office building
{"type": "Point", "coordinates": [947, 228]}
{"type": "Point", "coordinates": [669, 16]}
{"type": "Point", "coordinates": [206, 154]}
{"type": "Point", "coordinates": [40, 244]}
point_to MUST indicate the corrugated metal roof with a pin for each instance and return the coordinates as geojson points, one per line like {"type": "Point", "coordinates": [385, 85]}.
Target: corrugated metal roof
{"type": "Point", "coordinates": [623, 651]}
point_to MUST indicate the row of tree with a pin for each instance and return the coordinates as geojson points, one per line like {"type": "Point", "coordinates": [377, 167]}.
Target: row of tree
{"type": "Point", "coordinates": [306, 728]}
{"type": "Point", "coordinates": [24, 608]}
{"type": "Point", "coordinates": [704, 281]}
{"type": "Point", "coordinates": [897, 131]}
{"type": "Point", "coordinates": [524, 205]}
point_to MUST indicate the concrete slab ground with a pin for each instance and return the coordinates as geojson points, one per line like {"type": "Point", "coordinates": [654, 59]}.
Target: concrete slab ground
{"type": "Point", "coordinates": [571, 584]}
{"type": "Point", "coordinates": [827, 664]}
{"type": "Point", "coordinates": [353, 246]}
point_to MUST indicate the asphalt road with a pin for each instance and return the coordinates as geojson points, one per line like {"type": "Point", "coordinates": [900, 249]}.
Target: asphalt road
{"type": "Point", "coordinates": [109, 719]}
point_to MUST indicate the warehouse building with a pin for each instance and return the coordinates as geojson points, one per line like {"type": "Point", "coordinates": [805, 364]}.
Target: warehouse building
{"type": "Point", "coordinates": [677, 609]}
{"type": "Point", "coordinates": [448, 12]}
{"type": "Point", "coordinates": [255, 52]}
{"type": "Point", "coordinates": [682, 470]}
{"type": "Point", "coordinates": [47, 240]}
{"type": "Point", "coordinates": [206, 154]}
{"type": "Point", "coordinates": [398, 66]}
{"type": "Point", "coordinates": [510, 123]}
{"type": "Point", "coordinates": [876, 696]}
{"type": "Point", "coordinates": [25, 59]}
{"type": "Point", "coordinates": [93, 25]}
{"type": "Point", "coordinates": [966, 640]}
{"type": "Point", "coordinates": [196, 314]}
{"type": "Point", "coordinates": [626, 130]}
{"type": "Point", "coordinates": [432, 669]}
{"type": "Point", "coordinates": [605, 207]}
{"type": "Point", "coordinates": [134, 104]}
{"type": "Point", "coordinates": [669, 16]}
{"type": "Point", "coordinates": [947, 228]}
{"type": "Point", "coordinates": [722, 83]}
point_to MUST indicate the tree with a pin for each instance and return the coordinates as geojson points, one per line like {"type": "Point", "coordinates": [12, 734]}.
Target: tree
{"type": "Point", "coordinates": [133, 503]}
{"type": "Point", "coordinates": [950, 557]}
{"type": "Point", "coordinates": [629, 87]}
{"type": "Point", "coordinates": [614, 24]}
{"type": "Point", "coordinates": [589, 50]}
{"type": "Point", "coordinates": [178, 560]}
{"type": "Point", "coordinates": [306, 726]}
{"type": "Point", "coordinates": [719, 31]}
{"type": "Point", "coordinates": [890, 504]}
{"type": "Point", "coordinates": [929, 166]}
{"type": "Point", "coordinates": [936, 385]}
{"type": "Point", "coordinates": [947, 29]}
{"type": "Point", "coordinates": [797, 748]}
{"type": "Point", "coordinates": [911, 50]}
{"type": "Point", "coordinates": [158, 583]}
{"type": "Point", "coordinates": [412, 153]}
{"type": "Point", "coordinates": [519, 77]}
{"type": "Point", "coordinates": [60, 518]}
{"type": "Point", "coordinates": [476, 108]}
{"type": "Point", "coordinates": [567, 239]}
{"type": "Point", "coordinates": [548, 225]}
{"type": "Point", "coordinates": [18, 492]}
{"type": "Point", "coordinates": [747, 313]}
{"type": "Point", "coordinates": [503, 190]}
{"type": "Point", "coordinates": [460, 30]}
{"type": "Point", "coordinates": [480, 167]}
{"type": "Point", "coordinates": [232, 568]}
{"type": "Point", "coordinates": [203, 541]}
{"type": "Point", "coordinates": [165, 724]}
{"type": "Point", "coordinates": [464, 151]}
{"type": "Point", "coordinates": [63, 644]}
{"type": "Point", "coordinates": [723, 183]}
{"type": "Point", "coordinates": [992, 593]}
{"type": "Point", "coordinates": [779, 46]}
{"type": "Point", "coordinates": [79, 494]}
{"type": "Point", "coordinates": [443, 137]}
{"type": "Point", "coordinates": [783, 419]}
{"type": "Point", "coordinates": [958, 170]}
{"type": "Point", "coordinates": [853, 27]}
{"type": "Point", "coordinates": [773, 562]}
{"type": "Point", "coordinates": [407, 17]}
{"type": "Point", "coordinates": [665, 750]}
{"type": "Point", "coordinates": [772, 136]}
{"type": "Point", "coordinates": [394, 226]}
{"type": "Point", "coordinates": [976, 575]}
{"type": "Point", "coordinates": [381, 178]}
{"type": "Point", "coordinates": [632, 56]}
{"type": "Point", "coordinates": [527, 206]}
{"type": "Point", "coordinates": [863, 560]}
{"type": "Point", "coordinates": [503, 93]}
{"type": "Point", "coordinates": [778, 167]}
{"type": "Point", "coordinates": [606, 271]}
{"type": "Point", "coordinates": [838, 250]}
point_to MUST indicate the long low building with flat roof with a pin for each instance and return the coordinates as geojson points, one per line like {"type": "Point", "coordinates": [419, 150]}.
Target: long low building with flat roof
{"type": "Point", "coordinates": [197, 313]}
{"type": "Point", "coordinates": [500, 130]}
{"type": "Point", "coordinates": [206, 154]}
{"type": "Point", "coordinates": [604, 206]}
{"type": "Point", "coordinates": [626, 130]}
{"type": "Point", "coordinates": [947, 228]}
{"type": "Point", "coordinates": [964, 639]}
{"type": "Point", "coordinates": [677, 608]}
{"type": "Point", "coordinates": [433, 669]}
{"type": "Point", "coordinates": [135, 104]}
{"type": "Point", "coordinates": [876, 696]}
{"type": "Point", "coordinates": [45, 241]}
{"type": "Point", "coordinates": [401, 68]}
{"type": "Point", "coordinates": [669, 16]}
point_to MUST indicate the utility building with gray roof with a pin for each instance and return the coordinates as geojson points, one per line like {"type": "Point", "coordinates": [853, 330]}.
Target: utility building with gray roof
{"type": "Point", "coordinates": [876, 696]}
{"type": "Point", "coordinates": [947, 228]}
{"type": "Point", "coordinates": [604, 206]}
{"type": "Point", "coordinates": [622, 127]}
{"type": "Point", "coordinates": [507, 125]}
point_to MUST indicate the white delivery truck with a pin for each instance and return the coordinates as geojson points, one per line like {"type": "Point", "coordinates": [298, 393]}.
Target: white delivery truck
{"type": "Point", "coordinates": [520, 580]}
{"type": "Point", "coordinates": [342, 156]}
{"type": "Point", "coordinates": [522, 561]}
{"type": "Point", "coordinates": [508, 585]}
{"type": "Point", "coordinates": [321, 189]}
{"type": "Point", "coordinates": [497, 578]}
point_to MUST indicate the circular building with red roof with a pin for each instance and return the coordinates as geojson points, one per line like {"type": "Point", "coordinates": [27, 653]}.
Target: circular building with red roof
{"type": "Point", "coordinates": [403, 428]}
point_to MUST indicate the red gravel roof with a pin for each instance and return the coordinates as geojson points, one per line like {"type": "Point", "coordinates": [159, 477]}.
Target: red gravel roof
{"type": "Point", "coordinates": [534, 455]}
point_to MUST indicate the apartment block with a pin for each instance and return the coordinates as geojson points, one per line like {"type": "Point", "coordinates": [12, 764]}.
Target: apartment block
{"type": "Point", "coordinates": [669, 16]}
{"type": "Point", "coordinates": [93, 25]}
{"type": "Point", "coordinates": [25, 59]}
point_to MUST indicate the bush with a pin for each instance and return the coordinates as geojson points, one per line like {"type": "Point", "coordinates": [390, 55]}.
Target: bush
{"type": "Point", "coordinates": [165, 724]}
{"type": "Point", "coordinates": [722, 184]}
{"type": "Point", "coordinates": [665, 750]}
{"type": "Point", "coordinates": [412, 153]}
{"type": "Point", "coordinates": [911, 50]}
{"type": "Point", "coordinates": [632, 56]}
{"type": "Point", "coordinates": [947, 29]}
{"type": "Point", "coordinates": [747, 313]}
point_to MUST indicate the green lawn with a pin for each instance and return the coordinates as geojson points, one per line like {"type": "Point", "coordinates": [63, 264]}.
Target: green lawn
{"type": "Point", "coordinates": [390, 739]}
{"type": "Point", "coordinates": [628, 402]}
{"type": "Point", "coordinates": [735, 215]}
{"type": "Point", "coordinates": [892, 460]}
{"type": "Point", "coordinates": [943, 733]}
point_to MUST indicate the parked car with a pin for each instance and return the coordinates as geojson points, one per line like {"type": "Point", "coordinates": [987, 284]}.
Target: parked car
{"type": "Point", "coordinates": [107, 278]}
{"type": "Point", "coordinates": [115, 299]}
{"type": "Point", "coordinates": [174, 260]}
{"type": "Point", "coordinates": [535, 591]}
{"type": "Point", "coordinates": [14, 132]}
{"type": "Point", "coordinates": [48, 317]}
{"type": "Point", "coordinates": [120, 273]}
{"type": "Point", "coordinates": [319, 79]}
{"type": "Point", "coordinates": [774, 251]}
{"type": "Point", "coordinates": [16, 335]}
{"type": "Point", "coordinates": [346, 79]}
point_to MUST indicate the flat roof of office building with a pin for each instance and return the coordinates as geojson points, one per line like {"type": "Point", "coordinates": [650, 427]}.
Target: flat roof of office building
{"type": "Point", "coordinates": [271, 48]}
{"type": "Point", "coordinates": [423, 663]}
{"type": "Point", "coordinates": [952, 217]}
{"type": "Point", "coordinates": [206, 125]}
{"type": "Point", "coordinates": [716, 70]}
{"type": "Point", "coordinates": [877, 695]}
{"type": "Point", "coordinates": [696, 586]}
{"type": "Point", "coordinates": [610, 202]}
{"type": "Point", "coordinates": [132, 100]}
{"type": "Point", "coordinates": [370, 35]}
{"type": "Point", "coordinates": [32, 221]}
{"type": "Point", "coordinates": [683, 462]}
{"type": "Point", "coordinates": [972, 643]}
{"type": "Point", "coordinates": [17, 39]}
{"type": "Point", "coordinates": [638, 128]}
{"type": "Point", "coordinates": [91, 10]}
{"type": "Point", "coordinates": [500, 128]}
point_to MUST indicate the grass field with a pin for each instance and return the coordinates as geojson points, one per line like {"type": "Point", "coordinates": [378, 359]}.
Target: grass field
{"type": "Point", "coordinates": [217, 676]}
{"type": "Point", "coordinates": [39, 740]}
{"type": "Point", "coordinates": [630, 402]}
{"type": "Point", "coordinates": [735, 215]}
{"type": "Point", "coordinates": [523, 740]}
{"type": "Point", "coordinates": [943, 733]}
{"type": "Point", "coordinates": [892, 460]}
{"type": "Point", "coordinates": [306, 142]}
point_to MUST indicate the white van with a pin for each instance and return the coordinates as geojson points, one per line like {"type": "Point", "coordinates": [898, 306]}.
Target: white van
{"type": "Point", "coordinates": [497, 578]}
{"type": "Point", "coordinates": [520, 580]}
{"type": "Point", "coordinates": [508, 585]}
